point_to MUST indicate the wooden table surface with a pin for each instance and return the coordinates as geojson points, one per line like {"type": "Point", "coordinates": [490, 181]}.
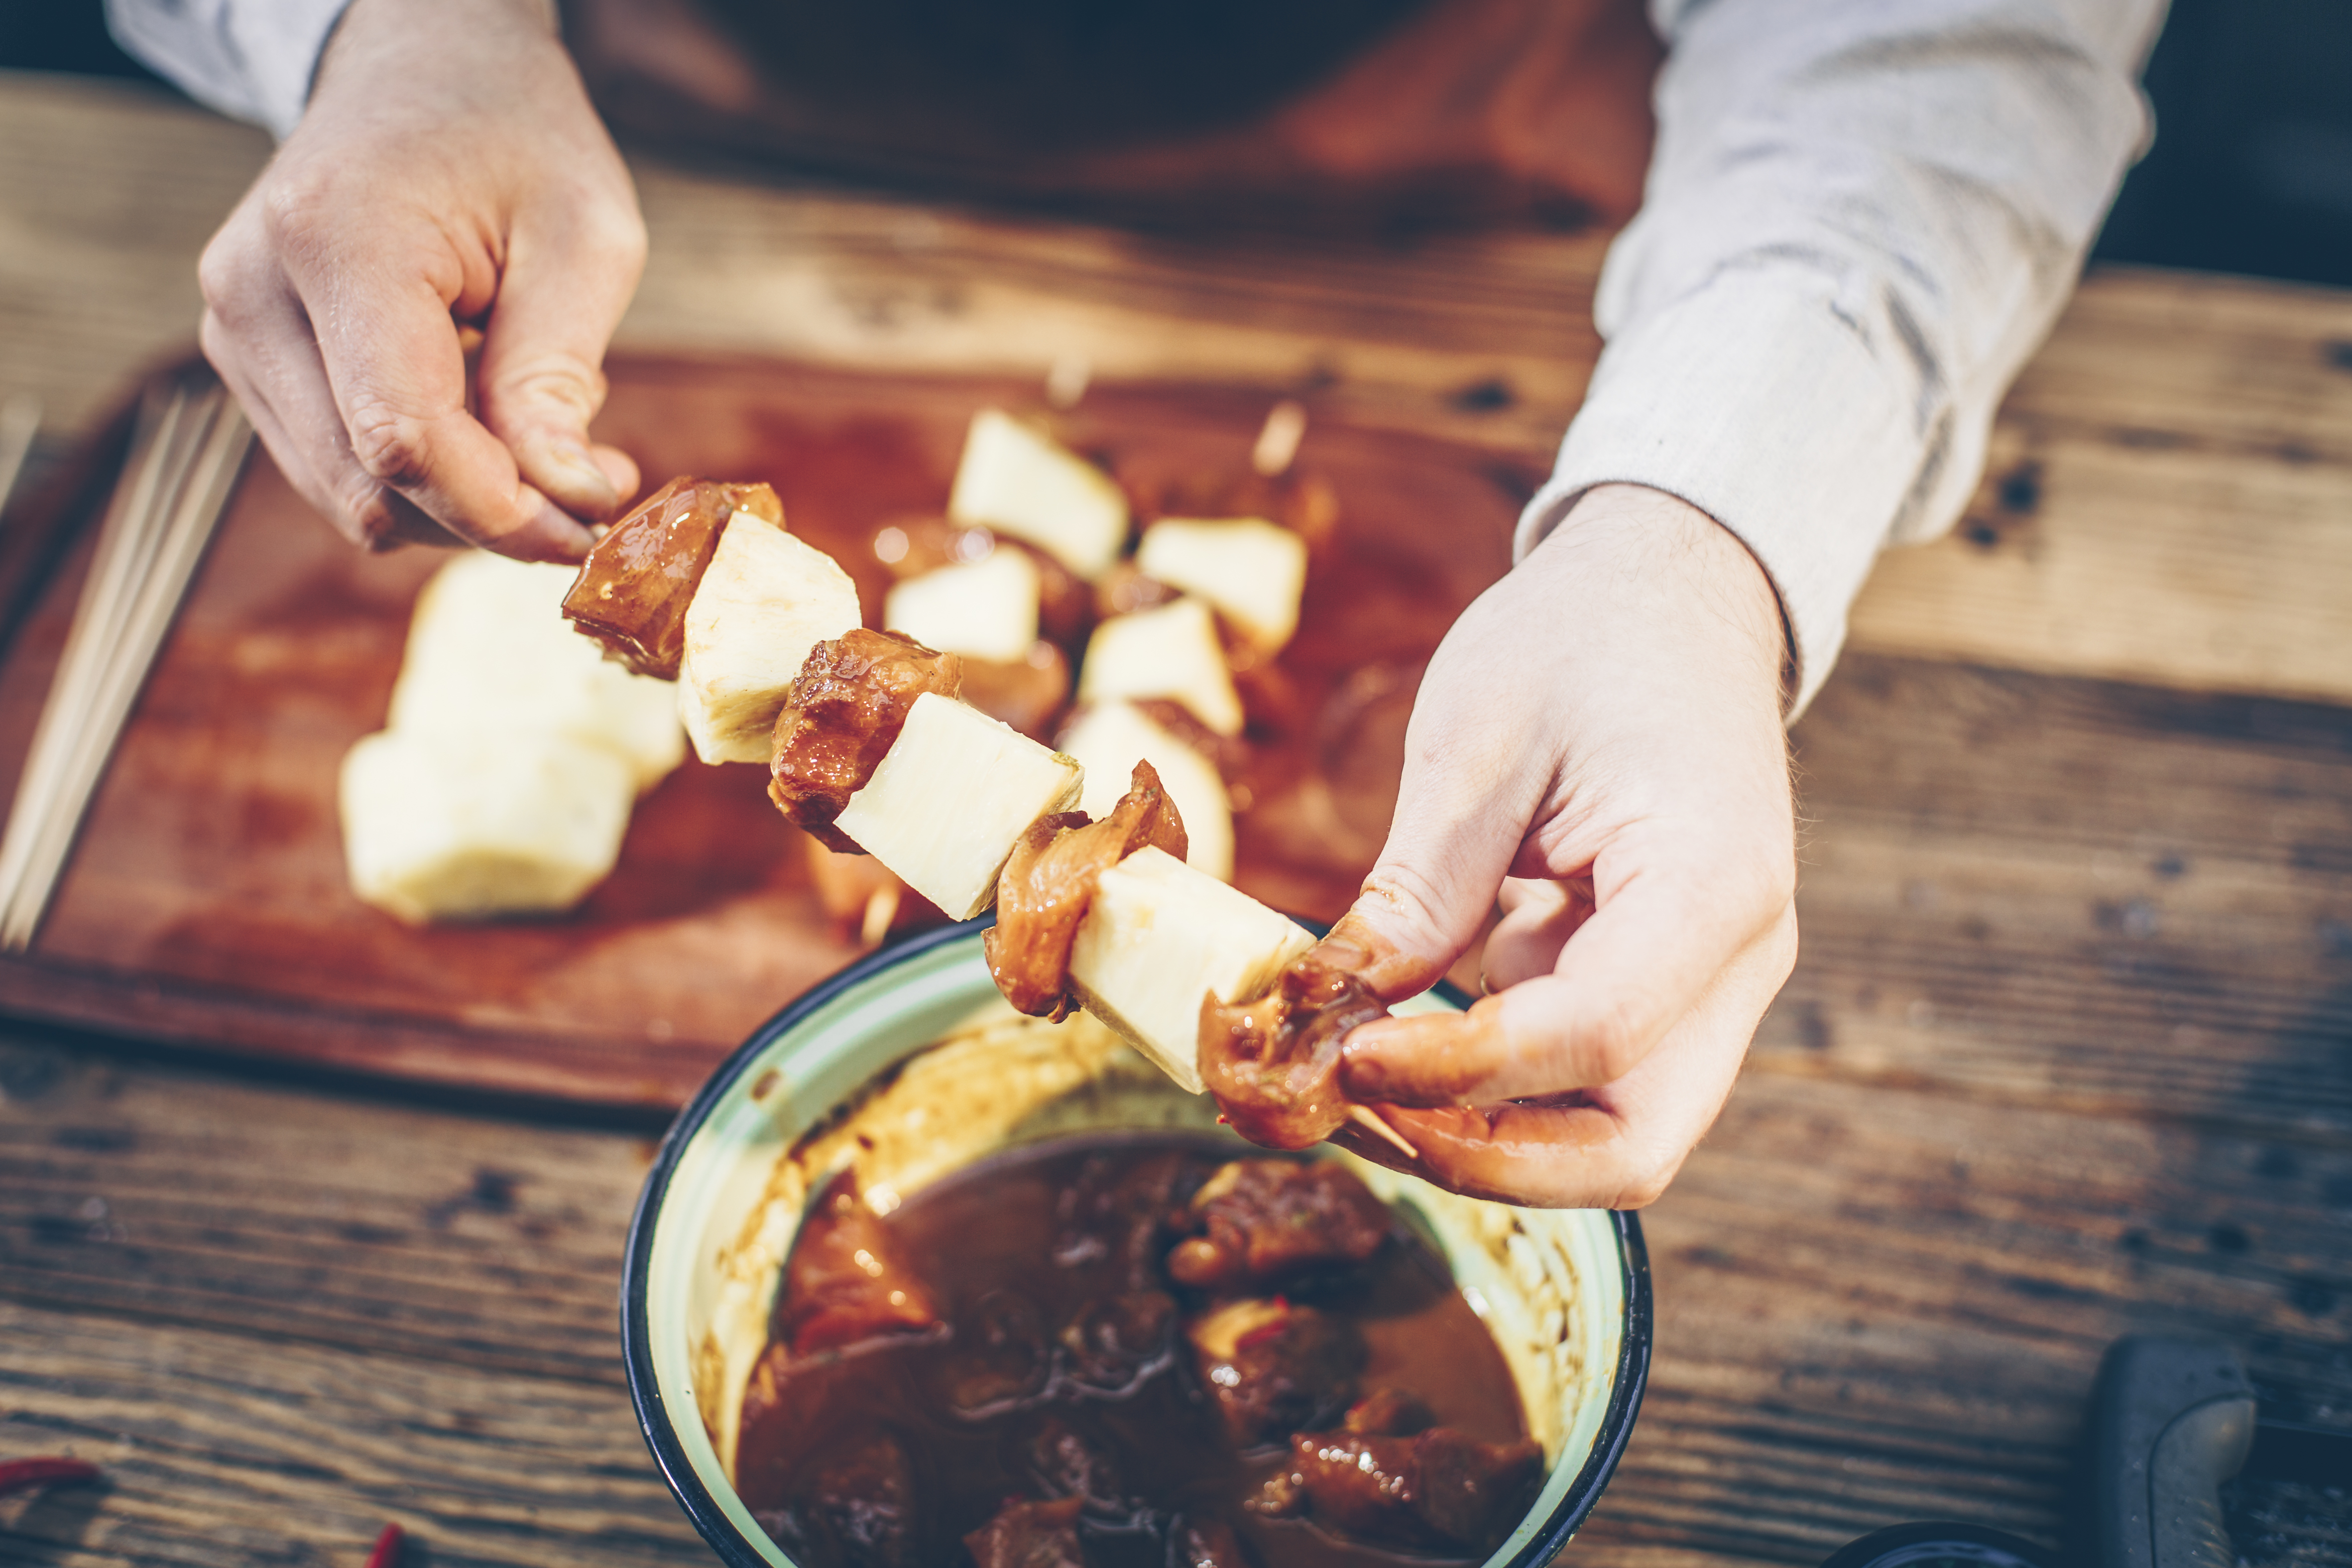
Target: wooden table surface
{"type": "Point", "coordinates": [2068, 1053]}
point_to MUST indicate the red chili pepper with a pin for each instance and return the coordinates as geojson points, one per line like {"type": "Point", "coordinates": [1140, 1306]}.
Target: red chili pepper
{"type": "Point", "coordinates": [387, 1548]}
{"type": "Point", "coordinates": [23, 1475]}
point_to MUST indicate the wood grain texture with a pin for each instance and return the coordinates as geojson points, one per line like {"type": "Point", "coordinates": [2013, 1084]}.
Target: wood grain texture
{"type": "Point", "coordinates": [231, 1451]}
{"type": "Point", "coordinates": [2067, 891]}
{"type": "Point", "coordinates": [2178, 446]}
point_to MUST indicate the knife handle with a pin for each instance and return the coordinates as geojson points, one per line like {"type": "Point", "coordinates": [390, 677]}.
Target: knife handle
{"type": "Point", "coordinates": [2171, 1419]}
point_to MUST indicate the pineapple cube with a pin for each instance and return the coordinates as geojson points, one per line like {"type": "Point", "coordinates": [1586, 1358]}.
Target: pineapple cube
{"type": "Point", "coordinates": [1172, 652]}
{"type": "Point", "coordinates": [1110, 739]}
{"type": "Point", "coordinates": [460, 824]}
{"type": "Point", "coordinates": [986, 610]}
{"type": "Point", "coordinates": [1159, 938]}
{"type": "Point", "coordinates": [1016, 481]}
{"type": "Point", "coordinates": [950, 798]}
{"type": "Point", "coordinates": [489, 651]}
{"type": "Point", "coordinates": [767, 599]}
{"type": "Point", "coordinates": [1251, 570]}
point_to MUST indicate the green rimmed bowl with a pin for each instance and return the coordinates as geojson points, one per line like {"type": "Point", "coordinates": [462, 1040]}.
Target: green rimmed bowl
{"type": "Point", "coordinates": [854, 1070]}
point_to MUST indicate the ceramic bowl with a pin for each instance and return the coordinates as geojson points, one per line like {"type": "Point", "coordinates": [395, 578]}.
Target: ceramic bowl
{"type": "Point", "coordinates": [852, 1073]}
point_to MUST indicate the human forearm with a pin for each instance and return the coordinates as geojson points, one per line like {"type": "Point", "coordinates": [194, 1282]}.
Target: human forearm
{"type": "Point", "coordinates": [1861, 219]}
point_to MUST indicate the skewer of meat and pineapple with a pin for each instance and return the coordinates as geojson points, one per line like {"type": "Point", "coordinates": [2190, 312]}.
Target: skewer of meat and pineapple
{"type": "Point", "coordinates": [873, 751]}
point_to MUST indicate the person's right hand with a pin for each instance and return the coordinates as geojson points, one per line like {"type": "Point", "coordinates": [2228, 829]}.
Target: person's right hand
{"type": "Point", "coordinates": [448, 173]}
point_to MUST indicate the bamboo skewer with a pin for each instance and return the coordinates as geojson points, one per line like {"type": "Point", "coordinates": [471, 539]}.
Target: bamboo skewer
{"type": "Point", "coordinates": [1364, 1116]}
{"type": "Point", "coordinates": [186, 451]}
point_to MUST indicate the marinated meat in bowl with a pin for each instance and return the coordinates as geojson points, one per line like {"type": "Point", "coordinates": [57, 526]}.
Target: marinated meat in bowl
{"type": "Point", "coordinates": [921, 1281]}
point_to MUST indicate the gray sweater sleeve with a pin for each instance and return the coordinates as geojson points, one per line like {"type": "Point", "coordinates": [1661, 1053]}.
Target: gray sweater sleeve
{"type": "Point", "coordinates": [1860, 220]}
{"type": "Point", "coordinates": [252, 60]}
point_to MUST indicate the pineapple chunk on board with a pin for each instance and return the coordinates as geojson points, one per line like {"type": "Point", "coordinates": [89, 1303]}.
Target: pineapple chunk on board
{"type": "Point", "coordinates": [984, 610]}
{"type": "Point", "coordinates": [1109, 739]}
{"type": "Point", "coordinates": [766, 600]}
{"type": "Point", "coordinates": [1159, 936]}
{"type": "Point", "coordinates": [1016, 481]}
{"type": "Point", "coordinates": [950, 799]}
{"type": "Point", "coordinates": [461, 825]}
{"type": "Point", "coordinates": [488, 652]}
{"type": "Point", "coordinates": [1171, 652]}
{"type": "Point", "coordinates": [1252, 570]}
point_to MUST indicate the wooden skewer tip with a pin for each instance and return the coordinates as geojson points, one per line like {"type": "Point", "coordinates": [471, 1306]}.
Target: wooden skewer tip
{"type": "Point", "coordinates": [1364, 1116]}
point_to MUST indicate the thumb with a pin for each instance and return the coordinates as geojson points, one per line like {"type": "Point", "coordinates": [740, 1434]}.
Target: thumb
{"type": "Point", "coordinates": [541, 377]}
{"type": "Point", "coordinates": [1462, 812]}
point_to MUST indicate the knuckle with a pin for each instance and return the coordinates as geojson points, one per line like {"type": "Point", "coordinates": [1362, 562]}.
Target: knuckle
{"type": "Point", "coordinates": [221, 277]}
{"type": "Point", "coordinates": [392, 448]}
{"type": "Point", "coordinates": [365, 515]}
{"type": "Point", "coordinates": [301, 206]}
{"type": "Point", "coordinates": [543, 385]}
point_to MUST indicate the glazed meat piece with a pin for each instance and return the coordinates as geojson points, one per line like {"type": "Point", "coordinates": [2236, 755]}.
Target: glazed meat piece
{"type": "Point", "coordinates": [633, 590]}
{"type": "Point", "coordinates": [844, 1282]}
{"type": "Point", "coordinates": [858, 1509]}
{"type": "Point", "coordinates": [1116, 1342]}
{"type": "Point", "coordinates": [1439, 1489]}
{"type": "Point", "coordinates": [1066, 1463]}
{"type": "Point", "coordinates": [1262, 1221]}
{"type": "Point", "coordinates": [1273, 1368]}
{"type": "Point", "coordinates": [1274, 1064]}
{"type": "Point", "coordinates": [1048, 883]}
{"type": "Point", "coordinates": [1030, 1535]}
{"type": "Point", "coordinates": [840, 716]}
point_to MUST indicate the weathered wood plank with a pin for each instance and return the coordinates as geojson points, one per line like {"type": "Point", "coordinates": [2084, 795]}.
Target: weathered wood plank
{"type": "Point", "coordinates": [1877, 1306]}
{"type": "Point", "coordinates": [231, 1450]}
{"type": "Point", "coordinates": [373, 1227]}
{"type": "Point", "coordinates": [2055, 890]}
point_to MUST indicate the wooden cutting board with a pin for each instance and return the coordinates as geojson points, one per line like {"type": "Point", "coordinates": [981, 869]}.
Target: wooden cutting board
{"type": "Point", "coordinates": [206, 904]}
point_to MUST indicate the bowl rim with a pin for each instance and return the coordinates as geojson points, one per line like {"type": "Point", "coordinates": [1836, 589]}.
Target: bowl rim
{"type": "Point", "coordinates": [654, 1420]}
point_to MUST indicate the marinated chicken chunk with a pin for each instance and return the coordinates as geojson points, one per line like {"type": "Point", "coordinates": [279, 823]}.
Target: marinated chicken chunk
{"type": "Point", "coordinates": [858, 1509]}
{"type": "Point", "coordinates": [1048, 885]}
{"type": "Point", "coordinates": [1274, 1064]}
{"type": "Point", "coordinates": [1030, 1535]}
{"type": "Point", "coordinates": [841, 715]}
{"type": "Point", "coordinates": [1262, 1221]}
{"type": "Point", "coordinates": [844, 1282]}
{"type": "Point", "coordinates": [1273, 1368]}
{"type": "Point", "coordinates": [1438, 1489]}
{"type": "Point", "coordinates": [632, 592]}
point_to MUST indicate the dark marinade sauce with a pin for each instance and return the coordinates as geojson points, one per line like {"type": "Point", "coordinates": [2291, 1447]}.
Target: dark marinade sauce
{"type": "Point", "coordinates": [1063, 1371]}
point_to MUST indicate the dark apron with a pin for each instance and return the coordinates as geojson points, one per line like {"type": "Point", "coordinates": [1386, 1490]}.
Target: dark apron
{"type": "Point", "coordinates": [1290, 113]}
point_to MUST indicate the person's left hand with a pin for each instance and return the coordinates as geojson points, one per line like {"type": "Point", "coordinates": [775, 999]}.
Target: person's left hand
{"type": "Point", "coordinates": [1600, 737]}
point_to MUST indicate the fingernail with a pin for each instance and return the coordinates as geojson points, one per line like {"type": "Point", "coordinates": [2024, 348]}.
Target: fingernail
{"type": "Point", "coordinates": [567, 474]}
